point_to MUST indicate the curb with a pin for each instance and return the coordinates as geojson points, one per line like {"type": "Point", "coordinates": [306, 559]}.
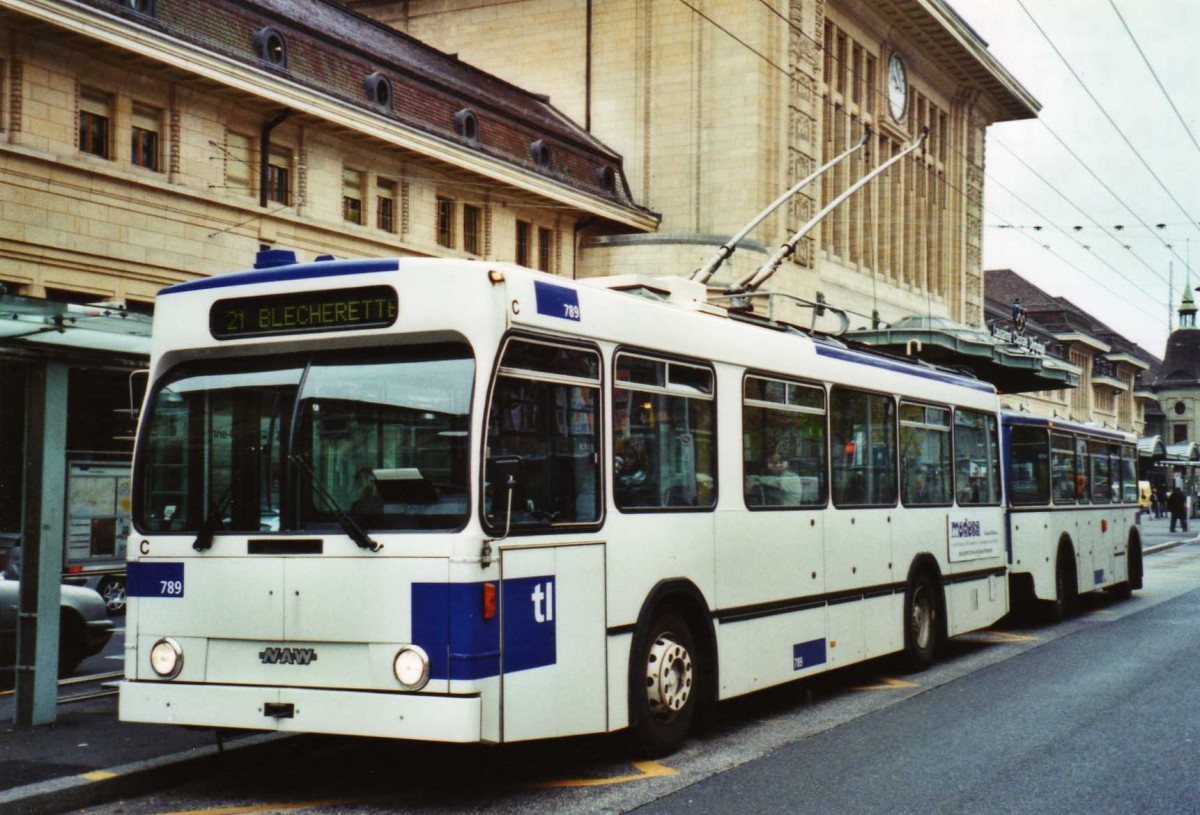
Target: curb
{"type": "Point", "coordinates": [101, 786]}
{"type": "Point", "coordinates": [1162, 547]}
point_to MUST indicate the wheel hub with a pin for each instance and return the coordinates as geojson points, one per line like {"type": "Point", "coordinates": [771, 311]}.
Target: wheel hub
{"type": "Point", "coordinates": [922, 619]}
{"type": "Point", "coordinates": [669, 676]}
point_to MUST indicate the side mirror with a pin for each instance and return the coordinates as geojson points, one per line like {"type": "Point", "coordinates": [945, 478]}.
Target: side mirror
{"type": "Point", "coordinates": [503, 472]}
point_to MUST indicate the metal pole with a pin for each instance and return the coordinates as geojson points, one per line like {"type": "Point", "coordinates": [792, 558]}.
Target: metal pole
{"type": "Point", "coordinates": [750, 282]}
{"type": "Point", "coordinates": [705, 272]}
{"type": "Point", "coordinates": [42, 537]}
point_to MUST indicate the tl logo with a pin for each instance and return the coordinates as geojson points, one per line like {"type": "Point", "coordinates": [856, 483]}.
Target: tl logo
{"type": "Point", "coordinates": [543, 602]}
{"type": "Point", "coordinates": [287, 656]}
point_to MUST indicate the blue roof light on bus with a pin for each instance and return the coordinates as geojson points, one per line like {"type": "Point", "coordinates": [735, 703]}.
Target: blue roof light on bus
{"type": "Point", "coordinates": [270, 258]}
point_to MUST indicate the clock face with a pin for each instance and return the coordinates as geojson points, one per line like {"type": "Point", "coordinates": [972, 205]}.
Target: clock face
{"type": "Point", "coordinates": [897, 87]}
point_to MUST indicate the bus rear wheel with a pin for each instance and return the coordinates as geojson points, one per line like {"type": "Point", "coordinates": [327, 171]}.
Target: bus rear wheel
{"type": "Point", "coordinates": [1063, 604]}
{"type": "Point", "coordinates": [920, 622]}
{"type": "Point", "coordinates": [665, 686]}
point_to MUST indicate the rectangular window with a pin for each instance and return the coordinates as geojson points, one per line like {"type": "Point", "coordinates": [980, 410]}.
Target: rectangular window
{"type": "Point", "coordinates": [352, 209]}
{"type": "Point", "coordinates": [238, 167]}
{"type": "Point", "coordinates": [1179, 433]}
{"type": "Point", "coordinates": [1029, 469]}
{"type": "Point", "coordinates": [279, 175]}
{"type": "Point", "coordinates": [524, 235]}
{"type": "Point", "coordinates": [664, 430]}
{"type": "Point", "coordinates": [144, 147]}
{"type": "Point", "coordinates": [862, 435]}
{"type": "Point", "coordinates": [385, 440]}
{"type": "Point", "coordinates": [976, 458]}
{"type": "Point", "coordinates": [94, 116]}
{"type": "Point", "coordinates": [472, 229]}
{"type": "Point", "coordinates": [1083, 495]}
{"type": "Point", "coordinates": [783, 447]}
{"type": "Point", "coordinates": [1129, 484]}
{"type": "Point", "coordinates": [445, 222]}
{"type": "Point", "coordinates": [1104, 491]}
{"type": "Point", "coordinates": [385, 205]}
{"type": "Point", "coordinates": [925, 455]}
{"type": "Point", "coordinates": [545, 250]}
{"type": "Point", "coordinates": [543, 437]}
{"type": "Point", "coordinates": [1062, 468]}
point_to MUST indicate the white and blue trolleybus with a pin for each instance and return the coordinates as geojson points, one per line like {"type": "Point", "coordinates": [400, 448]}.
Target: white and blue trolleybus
{"type": "Point", "coordinates": [1073, 520]}
{"type": "Point", "coordinates": [469, 502]}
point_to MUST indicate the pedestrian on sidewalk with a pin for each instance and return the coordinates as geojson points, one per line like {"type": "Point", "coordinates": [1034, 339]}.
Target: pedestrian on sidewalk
{"type": "Point", "coordinates": [1155, 506]}
{"type": "Point", "coordinates": [1177, 505]}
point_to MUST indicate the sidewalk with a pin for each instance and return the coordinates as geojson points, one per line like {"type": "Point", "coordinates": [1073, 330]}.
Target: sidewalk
{"type": "Point", "coordinates": [1156, 534]}
{"type": "Point", "coordinates": [88, 757]}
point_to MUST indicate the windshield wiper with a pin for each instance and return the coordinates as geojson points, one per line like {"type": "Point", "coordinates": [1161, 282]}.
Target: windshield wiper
{"type": "Point", "coordinates": [208, 525]}
{"type": "Point", "coordinates": [356, 532]}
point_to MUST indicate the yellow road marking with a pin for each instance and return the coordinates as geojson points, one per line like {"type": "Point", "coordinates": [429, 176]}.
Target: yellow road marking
{"type": "Point", "coordinates": [646, 769]}
{"type": "Point", "coordinates": [98, 775]}
{"type": "Point", "coordinates": [889, 684]}
{"type": "Point", "coordinates": [1009, 637]}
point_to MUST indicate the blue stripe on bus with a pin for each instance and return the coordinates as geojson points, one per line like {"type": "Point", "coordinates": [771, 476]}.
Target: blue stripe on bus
{"type": "Point", "coordinates": [1061, 424]}
{"type": "Point", "coordinates": [903, 368]}
{"type": "Point", "coordinates": [295, 271]}
{"type": "Point", "coordinates": [448, 623]}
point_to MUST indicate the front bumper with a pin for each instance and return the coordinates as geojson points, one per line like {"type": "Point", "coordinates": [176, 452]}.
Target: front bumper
{"type": "Point", "coordinates": [422, 717]}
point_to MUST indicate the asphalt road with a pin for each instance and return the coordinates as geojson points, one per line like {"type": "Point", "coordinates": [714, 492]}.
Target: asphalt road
{"type": "Point", "coordinates": [1102, 721]}
{"type": "Point", "coordinates": [1092, 715]}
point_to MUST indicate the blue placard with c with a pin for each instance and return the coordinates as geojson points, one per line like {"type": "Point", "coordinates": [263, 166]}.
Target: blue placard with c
{"type": "Point", "coordinates": [557, 301]}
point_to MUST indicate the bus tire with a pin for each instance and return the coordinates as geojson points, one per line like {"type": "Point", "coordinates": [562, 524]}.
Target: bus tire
{"type": "Point", "coordinates": [1133, 574]}
{"type": "Point", "coordinates": [664, 685]}
{"type": "Point", "coordinates": [1063, 604]}
{"type": "Point", "coordinates": [921, 621]}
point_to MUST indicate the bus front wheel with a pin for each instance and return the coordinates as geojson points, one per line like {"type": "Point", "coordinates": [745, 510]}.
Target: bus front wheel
{"type": "Point", "coordinates": [920, 622]}
{"type": "Point", "coordinates": [665, 685]}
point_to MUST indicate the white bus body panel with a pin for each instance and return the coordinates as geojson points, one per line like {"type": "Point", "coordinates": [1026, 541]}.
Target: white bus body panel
{"type": "Point", "coordinates": [566, 697]}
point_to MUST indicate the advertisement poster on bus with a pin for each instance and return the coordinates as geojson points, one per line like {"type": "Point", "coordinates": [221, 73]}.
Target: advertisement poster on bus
{"type": "Point", "coordinates": [974, 535]}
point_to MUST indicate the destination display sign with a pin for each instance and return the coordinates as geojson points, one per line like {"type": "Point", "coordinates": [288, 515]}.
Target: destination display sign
{"type": "Point", "coordinates": [304, 312]}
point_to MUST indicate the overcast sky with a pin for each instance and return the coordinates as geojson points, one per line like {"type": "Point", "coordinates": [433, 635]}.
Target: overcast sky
{"type": "Point", "coordinates": [1072, 168]}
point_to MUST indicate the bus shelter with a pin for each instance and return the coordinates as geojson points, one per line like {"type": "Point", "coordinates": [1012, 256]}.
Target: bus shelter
{"type": "Point", "coordinates": [67, 406]}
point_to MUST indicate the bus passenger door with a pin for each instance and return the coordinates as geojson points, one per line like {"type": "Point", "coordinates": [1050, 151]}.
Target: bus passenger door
{"type": "Point", "coordinates": [553, 642]}
{"type": "Point", "coordinates": [858, 563]}
{"type": "Point", "coordinates": [765, 559]}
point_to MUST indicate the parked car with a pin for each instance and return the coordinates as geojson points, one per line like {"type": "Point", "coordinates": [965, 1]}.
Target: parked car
{"type": "Point", "coordinates": [110, 586]}
{"type": "Point", "coordinates": [84, 628]}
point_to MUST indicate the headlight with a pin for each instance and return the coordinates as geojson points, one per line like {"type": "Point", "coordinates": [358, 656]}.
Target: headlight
{"type": "Point", "coordinates": [166, 658]}
{"type": "Point", "coordinates": [411, 667]}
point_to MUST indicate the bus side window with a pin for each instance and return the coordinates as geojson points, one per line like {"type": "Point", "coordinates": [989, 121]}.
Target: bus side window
{"type": "Point", "coordinates": [976, 458]}
{"type": "Point", "coordinates": [664, 434]}
{"type": "Point", "coordinates": [783, 449]}
{"type": "Point", "coordinates": [863, 438]}
{"type": "Point", "coordinates": [1029, 468]}
{"type": "Point", "coordinates": [1062, 468]}
{"type": "Point", "coordinates": [542, 425]}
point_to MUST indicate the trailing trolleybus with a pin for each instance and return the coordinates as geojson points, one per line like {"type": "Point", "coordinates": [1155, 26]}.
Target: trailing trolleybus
{"type": "Point", "coordinates": [468, 502]}
{"type": "Point", "coordinates": [1073, 519]}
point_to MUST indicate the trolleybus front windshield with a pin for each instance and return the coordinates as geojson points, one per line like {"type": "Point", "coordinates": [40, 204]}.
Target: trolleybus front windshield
{"type": "Point", "coordinates": [271, 446]}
